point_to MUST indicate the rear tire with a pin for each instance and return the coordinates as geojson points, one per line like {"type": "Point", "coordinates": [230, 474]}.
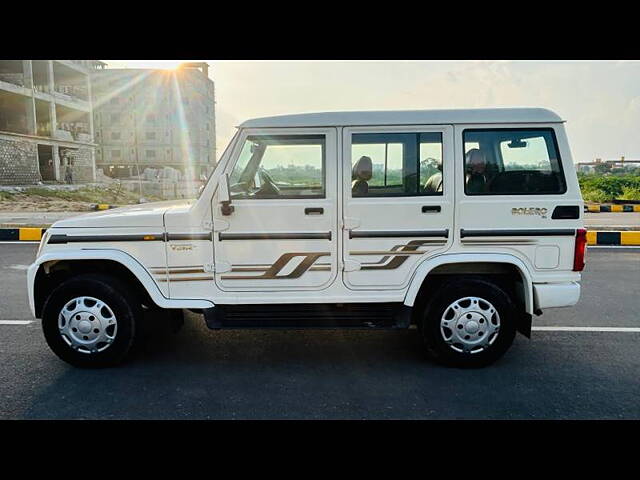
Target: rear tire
{"type": "Point", "coordinates": [89, 321]}
{"type": "Point", "coordinates": [468, 323]}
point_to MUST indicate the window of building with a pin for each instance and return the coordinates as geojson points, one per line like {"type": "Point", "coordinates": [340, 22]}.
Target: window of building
{"type": "Point", "coordinates": [150, 135]}
{"type": "Point", "coordinates": [150, 153]}
{"type": "Point", "coordinates": [115, 135]}
{"type": "Point", "coordinates": [280, 166]}
{"type": "Point", "coordinates": [115, 117]}
{"type": "Point", "coordinates": [151, 118]}
{"type": "Point", "coordinates": [396, 164]}
{"type": "Point", "coordinates": [115, 153]}
{"type": "Point", "coordinates": [512, 162]}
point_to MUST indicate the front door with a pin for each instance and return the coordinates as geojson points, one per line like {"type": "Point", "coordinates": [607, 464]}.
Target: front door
{"type": "Point", "coordinates": [398, 202]}
{"type": "Point", "coordinates": [282, 232]}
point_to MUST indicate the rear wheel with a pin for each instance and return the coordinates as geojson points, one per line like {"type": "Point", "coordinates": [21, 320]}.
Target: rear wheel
{"type": "Point", "coordinates": [90, 321]}
{"type": "Point", "coordinates": [469, 323]}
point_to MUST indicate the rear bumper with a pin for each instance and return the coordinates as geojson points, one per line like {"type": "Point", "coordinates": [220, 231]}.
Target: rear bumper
{"type": "Point", "coordinates": [551, 295]}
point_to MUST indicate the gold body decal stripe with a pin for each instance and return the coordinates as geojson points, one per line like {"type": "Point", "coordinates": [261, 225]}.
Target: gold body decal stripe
{"type": "Point", "coordinates": [398, 254]}
{"type": "Point", "coordinates": [271, 272]}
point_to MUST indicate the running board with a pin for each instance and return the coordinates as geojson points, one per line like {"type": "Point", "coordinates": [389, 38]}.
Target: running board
{"type": "Point", "coordinates": [315, 316]}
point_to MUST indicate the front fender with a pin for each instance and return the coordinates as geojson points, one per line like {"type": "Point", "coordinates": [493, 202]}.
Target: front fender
{"type": "Point", "coordinates": [141, 274]}
{"type": "Point", "coordinates": [423, 270]}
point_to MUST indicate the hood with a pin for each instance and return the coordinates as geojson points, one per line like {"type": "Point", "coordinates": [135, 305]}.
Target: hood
{"type": "Point", "coordinates": [144, 215]}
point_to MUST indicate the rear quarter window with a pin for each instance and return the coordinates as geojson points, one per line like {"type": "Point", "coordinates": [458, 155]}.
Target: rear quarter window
{"type": "Point", "coordinates": [512, 162]}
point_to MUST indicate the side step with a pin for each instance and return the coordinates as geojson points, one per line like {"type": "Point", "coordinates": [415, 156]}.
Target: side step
{"type": "Point", "coordinates": [320, 315]}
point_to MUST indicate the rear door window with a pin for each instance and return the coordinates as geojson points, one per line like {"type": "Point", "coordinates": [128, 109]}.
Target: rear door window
{"type": "Point", "coordinates": [396, 164]}
{"type": "Point", "coordinates": [512, 162]}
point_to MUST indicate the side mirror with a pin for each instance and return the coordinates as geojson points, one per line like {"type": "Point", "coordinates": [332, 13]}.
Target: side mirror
{"type": "Point", "coordinates": [224, 197]}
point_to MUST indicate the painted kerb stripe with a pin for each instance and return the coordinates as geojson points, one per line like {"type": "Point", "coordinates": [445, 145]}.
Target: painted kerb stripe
{"type": "Point", "coordinates": [625, 208]}
{"type": "Point", "coordinates": [630, 237]}
{"type": "Point", "coordinates": [21, 234]}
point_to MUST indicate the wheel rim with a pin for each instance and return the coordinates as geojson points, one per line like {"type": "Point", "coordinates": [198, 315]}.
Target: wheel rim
{"type": "Point", "coordinates": [87, 324]}
{"type": "Point", "coordinates": [470, 325]}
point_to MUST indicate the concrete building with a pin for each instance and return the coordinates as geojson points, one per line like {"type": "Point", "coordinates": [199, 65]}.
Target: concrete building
{"type": "Point", "coordinates": [153, 119]}
{"type": "Point", "coordinates": [46, 122]}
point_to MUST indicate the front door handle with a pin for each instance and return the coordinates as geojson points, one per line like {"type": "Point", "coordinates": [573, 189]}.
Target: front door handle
{"type": "Point", "coordinates": [431, 208]}
{"type": "Point", "coordinates": [314, 211]}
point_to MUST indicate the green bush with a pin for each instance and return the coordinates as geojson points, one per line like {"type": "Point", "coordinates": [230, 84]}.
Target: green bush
{"type": "Point", "coordinates": [630, 193]}
{"type": "Point", "coordinates": [595, 196]}
{"type": "Point", "coordinates": [603, 189]}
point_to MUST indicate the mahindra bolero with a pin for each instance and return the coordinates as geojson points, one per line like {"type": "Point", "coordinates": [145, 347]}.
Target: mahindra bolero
{"type": "Point", "coordinates": [462, 224]}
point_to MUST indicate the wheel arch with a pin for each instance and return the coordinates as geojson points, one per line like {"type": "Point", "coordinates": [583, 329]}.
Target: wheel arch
{"type": "Point", "coordinates": [112, 262]}
{"type": "Point", "coordinates": [471, 264]}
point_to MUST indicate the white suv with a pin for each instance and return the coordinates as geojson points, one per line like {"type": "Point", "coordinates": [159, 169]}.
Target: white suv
{"type": "Point", "coordinates": [463, 223]}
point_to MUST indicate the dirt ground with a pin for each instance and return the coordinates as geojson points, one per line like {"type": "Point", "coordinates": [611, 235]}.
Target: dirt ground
{"type": "Point", "coordinates": [44, 205]}
{"type": "Point", "coordinates": [39, 199]}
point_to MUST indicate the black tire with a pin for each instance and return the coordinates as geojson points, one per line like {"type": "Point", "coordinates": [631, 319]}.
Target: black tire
{"type": "Point", "coordinates": [449, 293]}
{"type": "Point", "coordinates": [112, 292]}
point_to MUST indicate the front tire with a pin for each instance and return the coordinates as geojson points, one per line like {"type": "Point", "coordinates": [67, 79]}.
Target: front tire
{"type": "Point", "coordinates": [469, 323]}
{"type": "Point", "coordinates": [89, 321]}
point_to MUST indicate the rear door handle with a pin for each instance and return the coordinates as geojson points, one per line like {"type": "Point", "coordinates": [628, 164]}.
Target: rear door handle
{"type": "Point", "coordinates": [314, 211]}
{"type": "Point", "coordinates": [431, 208]}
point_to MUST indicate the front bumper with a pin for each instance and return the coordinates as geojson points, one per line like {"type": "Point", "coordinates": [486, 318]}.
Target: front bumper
{"type": "Point", "coordinates": [31, 280]}
{"type": "Point", "coordinates": [552, 295]}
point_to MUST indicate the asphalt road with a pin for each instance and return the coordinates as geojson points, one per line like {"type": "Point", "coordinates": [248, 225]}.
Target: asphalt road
{"type": "Point", "coordinates": [611, 220]}
{"type": "Point", "coordinates": [263, 374]}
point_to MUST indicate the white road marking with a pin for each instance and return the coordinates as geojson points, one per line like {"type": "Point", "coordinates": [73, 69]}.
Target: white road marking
{"type": "Point", "coordinates": [632, 247]}
{"type": "Point", "coordinates": [587, 329]}
{"type": "Point", "coordinates": [20, 242]}
{"type": "Point", "coordinates": [15, 322]}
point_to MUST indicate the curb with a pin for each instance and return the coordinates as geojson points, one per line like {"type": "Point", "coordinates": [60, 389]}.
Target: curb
{"type": "Point", "coordinates": [103, 206]}
{"type": "Point", "coordinates": [599, 237]}
{"type": "Point", "coordinates": [28, 234]}
{"type": "Point", "coordinates": [594, 237]}
{"type": "Point", "coordinates": [625, 208]}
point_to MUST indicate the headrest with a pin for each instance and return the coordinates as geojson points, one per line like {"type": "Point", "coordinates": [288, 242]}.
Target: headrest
{"type": "Point", "coordinates": [473, 153]}
{"type": "Point", "coordinates": [362, 170]}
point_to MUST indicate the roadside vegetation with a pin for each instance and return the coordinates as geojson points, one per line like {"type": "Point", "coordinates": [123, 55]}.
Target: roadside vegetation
{"type": "Point", "coordinates": [611, 185]}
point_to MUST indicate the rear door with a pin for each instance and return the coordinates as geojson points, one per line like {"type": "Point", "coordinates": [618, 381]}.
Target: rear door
{"type": "Point", "coordinates": [281, 234]}
{"type": "Point", "coordinates": [518, 194]}
{"type": "Point", "coordinates": [397, 202]}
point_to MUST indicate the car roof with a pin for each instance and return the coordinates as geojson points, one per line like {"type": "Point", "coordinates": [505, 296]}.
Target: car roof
{"type": "Point", "coordinates": [407, 117]}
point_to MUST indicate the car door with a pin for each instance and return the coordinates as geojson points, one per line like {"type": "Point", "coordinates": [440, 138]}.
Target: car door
{"type": "Point", "coordinates": [281, 234]}
{"type": "Point", "coordinates": [398, 202]}
{"type": "Point", "coordinates": [514, 196]}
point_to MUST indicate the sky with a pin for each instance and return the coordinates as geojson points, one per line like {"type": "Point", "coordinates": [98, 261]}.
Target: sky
{"type": "Point", "coordinates": [600, 100]}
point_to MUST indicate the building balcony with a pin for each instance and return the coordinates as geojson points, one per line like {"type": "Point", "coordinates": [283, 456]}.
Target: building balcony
{"type": "Point", "coordinates": [70, 135]}
{"type": "Point", "coordinates": [13, 78]}
{"type": "Point", "coordinates": [71, 92]}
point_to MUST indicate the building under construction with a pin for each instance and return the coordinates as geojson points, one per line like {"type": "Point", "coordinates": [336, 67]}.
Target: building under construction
{"type": "Point", "coordinates": [151, 119]}
{"type": "Point", "coordinates": [46, 122]}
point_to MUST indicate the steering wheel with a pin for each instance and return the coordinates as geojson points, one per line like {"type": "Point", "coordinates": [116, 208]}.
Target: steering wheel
{"type": "Point", "coordinates": [268, 187]}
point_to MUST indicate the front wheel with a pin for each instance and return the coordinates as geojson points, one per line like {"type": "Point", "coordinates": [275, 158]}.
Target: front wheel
{"type": "Point", "coordinates": [90, 321]}
{"type": "Point", "coordinates": [469, 323]}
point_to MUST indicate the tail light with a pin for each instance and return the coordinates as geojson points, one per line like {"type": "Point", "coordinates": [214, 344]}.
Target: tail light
{"type": "Point", "coordinates": [580, 250]}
